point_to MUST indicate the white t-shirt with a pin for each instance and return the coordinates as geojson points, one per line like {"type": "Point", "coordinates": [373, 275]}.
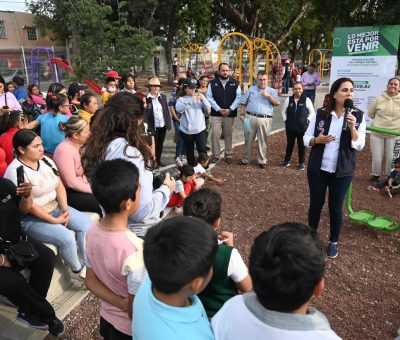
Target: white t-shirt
{"type": "Point", "coordinates": [44, 181]}
{"type": "Point", "coordinates": [237, 270]}
{"type": "Point", "coordinates": [198, 169]}
{"type": "Point", "coordinates": [178, 186]}
{"type": "Point", "coordinates": [235, 321]}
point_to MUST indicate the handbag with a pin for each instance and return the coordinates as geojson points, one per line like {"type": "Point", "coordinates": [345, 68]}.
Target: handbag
{"type": "Point", "coordinates": [20, 253]}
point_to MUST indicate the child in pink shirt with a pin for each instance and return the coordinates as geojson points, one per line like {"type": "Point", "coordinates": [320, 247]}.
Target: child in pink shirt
{"type": "Point", "coordinates": [115, 267]}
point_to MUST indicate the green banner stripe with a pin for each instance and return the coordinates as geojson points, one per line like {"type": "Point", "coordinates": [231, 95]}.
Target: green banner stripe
{"type": "Point", "coordinates": [387, 45]}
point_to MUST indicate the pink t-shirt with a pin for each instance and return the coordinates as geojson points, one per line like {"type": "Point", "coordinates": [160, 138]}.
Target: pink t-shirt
{"type": "Point", "coordinates": [113, 256]}
{"type": "Point", "coordinates": [68, 160]}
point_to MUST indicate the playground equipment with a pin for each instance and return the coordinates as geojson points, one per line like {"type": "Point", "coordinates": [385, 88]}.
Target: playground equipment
{"type": "Point", "coordinates": [57, 62]}
{"type": "Point", "coordinates": [196, 56]}
{"type": "Point", "coordinates": [320, 56]}
{"type": "Point", "coordinates": [240, 62]}
{"type": "Point", "coordinates": [41, 61]}
{"type": "Point", "coordinates": [273, 61]}
{"type": "Point", "coordinates": [251, 56]}
{"type": "Point", "coordinates": [368, 217]}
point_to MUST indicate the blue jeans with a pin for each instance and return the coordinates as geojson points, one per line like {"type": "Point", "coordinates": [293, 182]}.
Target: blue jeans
{"type": "Point", "coordinates": [310, 94]}
{"type": "Point", "coordinates": [60, 235]}
{"type": "Point", "coordinates": [180, 144]}
{"type": "Point", "coordinates": [285, 85]}
{"type": "Point", "coordinates": [337, 192]}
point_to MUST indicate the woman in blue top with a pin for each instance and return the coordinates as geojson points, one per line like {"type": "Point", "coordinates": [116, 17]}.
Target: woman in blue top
{"type": "Point", "coordinates": [49, 131]}
{"type": "Point", "coordinates": [191, 106]}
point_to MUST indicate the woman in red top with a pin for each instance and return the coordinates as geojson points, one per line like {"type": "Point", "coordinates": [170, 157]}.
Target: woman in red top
{"type": "Point", "coordinates": [10, 123]}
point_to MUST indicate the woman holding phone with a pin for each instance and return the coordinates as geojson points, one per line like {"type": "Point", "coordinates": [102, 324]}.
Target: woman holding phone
{"type": "Point", "coordinates": [50, 217]}
{"type": "Point", "coordinates": [8, 102]}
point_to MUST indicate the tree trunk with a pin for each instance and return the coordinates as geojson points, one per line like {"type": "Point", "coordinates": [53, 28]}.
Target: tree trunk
{"type": "Point", "coordinates": [168, 58]}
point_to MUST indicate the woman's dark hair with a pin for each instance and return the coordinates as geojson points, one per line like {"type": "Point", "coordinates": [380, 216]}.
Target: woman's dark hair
{"type": "Point", "coordinates": [54, 88]}
{"type": "Point", "coordinates": [30, 88]}
{"type": "Point", "coordinates": [18, 81]}
{"type": "Point", "coordinates": [85, 100]}
{"type": "Point", "coordinates": [122, 118]}
{"type": "Point", "coordinates": [25, 137]}
{"type": "Point", "coordinates": [205, 204]}
{"type": "Point", "coordinates": [10, 120]}
{"type": "Point", "coordinates": [335, 87]}
{"type": "Point", "coordinates": [126, 77]}
{"type": "Point", "coordinates": [2, 81]}
{"type": "Point", "coordinates": [55, 100]}
{"type": "Point", "coordinates": [186, 170]}
{"type": "Point", "coordinates": [298, 83]}
{"type": "Point", "coordinates": [203, 76]}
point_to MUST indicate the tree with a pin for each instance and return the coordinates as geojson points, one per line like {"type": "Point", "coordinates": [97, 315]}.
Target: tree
{"type": "Point", "coordinates": [100, 35]}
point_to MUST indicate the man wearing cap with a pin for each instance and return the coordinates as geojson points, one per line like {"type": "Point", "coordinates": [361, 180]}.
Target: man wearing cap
{"type": "Point", "coordinates": [310, 81]}
{"type": "Point", "coordinates": [224, 95]}
{"type": "Point", "coordinates": [158, 116]}
{"type": "Point", "coordinates": [75, 92]}
{"type": "Point", "coordinates": [257, 107]}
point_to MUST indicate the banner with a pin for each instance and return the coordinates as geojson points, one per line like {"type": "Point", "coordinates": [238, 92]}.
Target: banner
{"type": "Point", "coordinates": [367, 55]}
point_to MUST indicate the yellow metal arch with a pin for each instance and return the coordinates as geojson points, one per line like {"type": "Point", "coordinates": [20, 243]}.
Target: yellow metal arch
{"type": "Point", "coordinates": [248, 44]}
{"type": "Point", "coordinates": [194, 48]}
{"type": "Point", "coordinates": [322, 58]}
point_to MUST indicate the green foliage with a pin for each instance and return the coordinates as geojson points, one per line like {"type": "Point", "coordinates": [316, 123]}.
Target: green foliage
{"type": "Point", "coordinates": [101, 35]}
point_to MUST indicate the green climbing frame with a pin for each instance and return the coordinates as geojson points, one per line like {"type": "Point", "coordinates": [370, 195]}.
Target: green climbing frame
{"type": "Point", "coordinates": [368, 217]}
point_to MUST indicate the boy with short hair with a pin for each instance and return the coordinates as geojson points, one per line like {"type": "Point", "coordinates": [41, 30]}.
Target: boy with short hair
{"type": "Point", "coordinates": [200, 169]}
{"type": "Point", "coordinates": [230, 273]}
{"type": "Point", "coordinates": [393, 183]}
{"type": "Point", "coordinates": [111, 89]}
{"type": "Point", "coordinates": [287, 267]}
{"type": "Point", "coordinates": [115, 267]}
{"type": "Point", "coordinates": [178, 254]}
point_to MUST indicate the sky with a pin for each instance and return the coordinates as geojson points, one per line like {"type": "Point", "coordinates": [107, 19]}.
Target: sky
{"type": "Point", "coordinates": [10, 5]}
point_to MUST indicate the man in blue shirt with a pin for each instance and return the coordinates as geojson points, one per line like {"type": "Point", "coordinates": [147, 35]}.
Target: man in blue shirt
{"type": "Point", "coordinates": [259, 101]}
{"type": "Point", "coordinates": [19, 92]}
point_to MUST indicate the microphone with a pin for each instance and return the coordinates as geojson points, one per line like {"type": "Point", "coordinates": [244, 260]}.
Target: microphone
{"type": "Point", "coordinates": [348, 105]}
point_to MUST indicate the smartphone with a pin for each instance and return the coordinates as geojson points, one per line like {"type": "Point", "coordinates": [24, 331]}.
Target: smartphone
{"type": "Point", "coordinates": [20, 175]}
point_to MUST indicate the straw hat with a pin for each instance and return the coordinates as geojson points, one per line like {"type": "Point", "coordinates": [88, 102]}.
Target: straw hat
{"type": "Point", "coordinates": [154, 81]}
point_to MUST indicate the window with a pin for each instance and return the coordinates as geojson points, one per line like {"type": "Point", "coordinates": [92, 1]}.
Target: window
{"type": "Point", "coordinates": [31, 33]}
{"type": "Point", "coordinates": [2, 29]}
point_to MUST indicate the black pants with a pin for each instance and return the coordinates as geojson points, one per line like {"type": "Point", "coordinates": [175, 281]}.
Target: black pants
{"type": "Point", "coordinates": [159, 141]}
{"type": "Point", "coordinates": [291, 137]}
{"type": "Point", "coordinates": [190, 140]}
{"type": "Point", "coordinates": [30, 297]}
{"type": "Point", "coordinates": [109, 332]}
{"type": "Point", "coordinates": [83, 201]}
{"type": "Point", "coordinates": [337, 192]}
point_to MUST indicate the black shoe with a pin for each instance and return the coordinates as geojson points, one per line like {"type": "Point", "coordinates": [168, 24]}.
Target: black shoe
{"type": "Point", "coordinates": [56, 327]}
{"type": "Point", "coordinates": [228, 160]}
{"type": "Point", "coordinates": [262, 166]}
{"type": "Point", "coordinates": [285, 164]}
{"type": "Point", "coordinates": [161, 164]}
{"type": "Point", "coordinates": [374, 178]}
{"type": "Point", "coordinates": [32, 322]}
{"type": "Point", "coordinates": [301, 166]}
{"type": "Point", "coordinates": [214, 160]}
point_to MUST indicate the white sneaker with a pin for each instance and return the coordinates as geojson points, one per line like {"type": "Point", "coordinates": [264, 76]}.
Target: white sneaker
{"type": "Point", "coordinates": [178, 210]}
{"type": "Point", "coordinates": [183, 159]}
{"type": "Point", "coordinates": [178, 161]}
{"type": "Point", "coordinates": [81, 274]}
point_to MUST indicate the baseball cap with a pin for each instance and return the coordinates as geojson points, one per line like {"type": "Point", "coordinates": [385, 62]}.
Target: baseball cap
{"type": "Point", "coordinates": [188, 83]}
{"type": "Point", "coordinates": [113, 74]}
{"type": "Point", "coordinates": [75, 87]}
